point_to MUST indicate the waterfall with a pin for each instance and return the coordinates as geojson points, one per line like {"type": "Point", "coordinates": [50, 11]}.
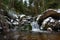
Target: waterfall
{"type": "Point", "coordinates": [35, 26]}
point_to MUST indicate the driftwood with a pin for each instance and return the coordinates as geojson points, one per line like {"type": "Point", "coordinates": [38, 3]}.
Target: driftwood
{"type": "Point", "coordinates": [49, 13]}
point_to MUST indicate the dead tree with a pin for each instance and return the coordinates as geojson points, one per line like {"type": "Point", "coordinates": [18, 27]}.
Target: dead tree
{"type": "Point", "coordinates": [49, 13]}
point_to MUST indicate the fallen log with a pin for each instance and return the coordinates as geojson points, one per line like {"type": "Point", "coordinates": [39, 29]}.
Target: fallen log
{"type": "Point", "coordinates": [49, 13]}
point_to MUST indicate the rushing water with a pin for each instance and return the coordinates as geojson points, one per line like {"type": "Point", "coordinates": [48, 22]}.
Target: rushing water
{"type": "Point", "coordinates": [35, 26]}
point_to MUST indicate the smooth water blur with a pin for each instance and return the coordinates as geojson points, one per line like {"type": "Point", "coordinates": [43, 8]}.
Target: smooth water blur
{"type": "Point", "coordinates": [35, 26]}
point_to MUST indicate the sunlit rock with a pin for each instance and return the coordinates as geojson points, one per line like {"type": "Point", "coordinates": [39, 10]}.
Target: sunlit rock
{"type": "Point", "coordinates": [58, 20]}
{"type": "Point", "coordinates": [52, 20]}
{"type": "Point", "coordinates": [49, 29]}
{"type": "Point", "coordinates": [12, 20]}
{"type": "Point", "coordinates": [45, 22]}
{"type": "Point", "coordinates": [17, 20]}
{"type": "Point", "coordinates": [58, 11]}
{"type": "Point", "coordinates": [21, 15]}
{"type": "Point", "coordinates": [15, 23]}
{"type": "Point", "coordinates": [28, 17]}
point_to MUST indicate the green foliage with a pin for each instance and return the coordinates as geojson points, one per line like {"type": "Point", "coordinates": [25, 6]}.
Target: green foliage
{"type": "Point", "coordinates": [6, 2]}
{"type": "Point", "coordinates": [21, 7]}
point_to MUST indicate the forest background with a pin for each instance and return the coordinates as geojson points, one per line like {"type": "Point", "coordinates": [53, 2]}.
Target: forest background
{"type": "Point", "coordinates": [29, 7]}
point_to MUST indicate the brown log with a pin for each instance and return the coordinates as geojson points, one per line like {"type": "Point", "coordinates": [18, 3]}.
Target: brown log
{"type": "Point", "coordinates": [49, 13]}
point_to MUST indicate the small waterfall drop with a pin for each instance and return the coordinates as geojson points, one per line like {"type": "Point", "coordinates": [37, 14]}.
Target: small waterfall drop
{"type": "Point", "coordinates": [35, 26]}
